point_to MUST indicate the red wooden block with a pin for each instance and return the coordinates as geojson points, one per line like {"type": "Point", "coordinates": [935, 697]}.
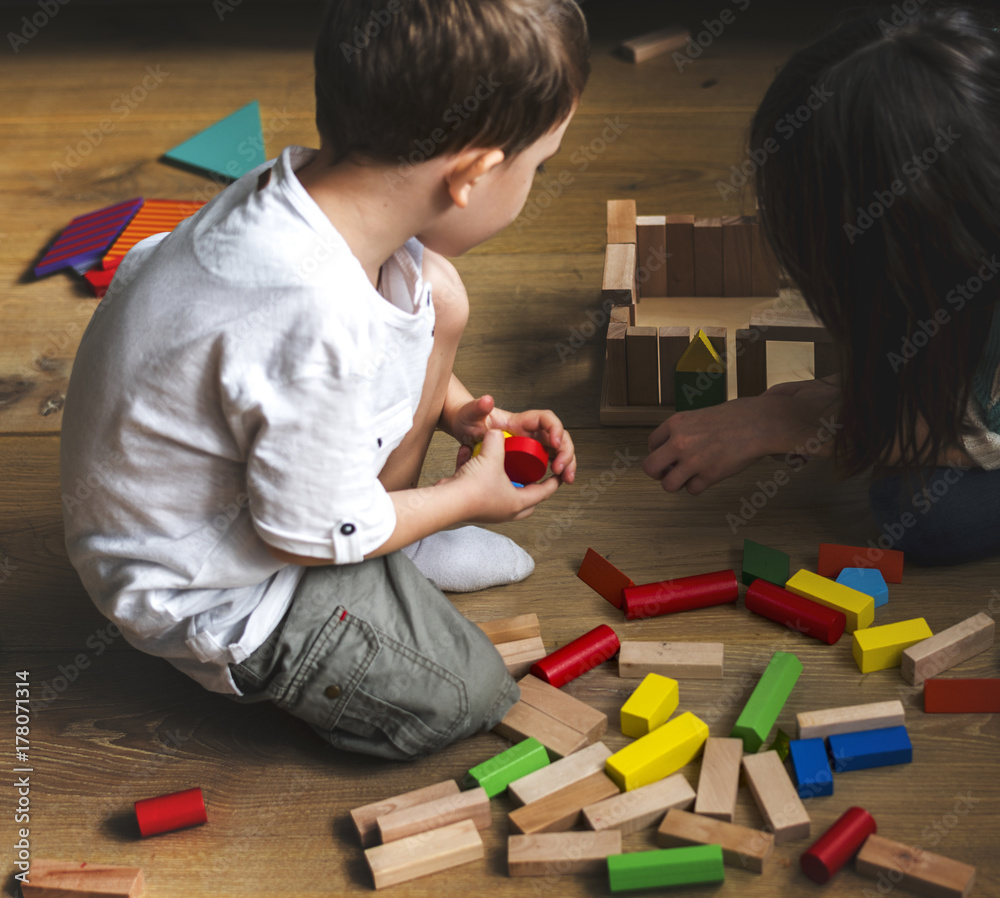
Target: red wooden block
{"type": "Point", "coordinates": [577, 657]}
{"type": "Point", "coordinates": [100, 280]}
{"type": "Point", "coordinates": [837, 845]}
{"type": "Point", "coordinates": [798, 614]}
{"type": "Point", "coordinates": [603, 577]}
{"type": "Point", "coordinates": [525, 459]}
{"type": "Point", "coordinates": [834, 558]}
{"type": "Point", "coordinates": [169, 812]}
{"type": "Point", "coordinates": [682, 594]}
{"type": "Point", "coordinates": [962, 696]}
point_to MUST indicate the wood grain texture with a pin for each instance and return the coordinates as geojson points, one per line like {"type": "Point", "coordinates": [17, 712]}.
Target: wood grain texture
{"type": "Point", "coordinates": [742, 847]}
{"type": "Point", "coordinates": [560, 810]}
{"type": "Point", "coordinates": [708, 259]}
{"type": "Point", "coordinates": [424, 853]}
{"type": "Point", "coordinates": [511, 629]}
{"type": "Point", "coordinates": [555, 854]}
{"type": "Point", "coordinates": [674, 342]}
{"type": "Point", "coordinates": [651, 255]}
{"type": "Point", "coordinates": [80, 879]}
{"type": "Point", "coordinates": [562, 773]}
{"type": "Point", "coordinates": [365, 819]}
{"type": "Point", "coordinates": [948, 648]}
{"type": "Point", "coordinates": [643, 365]}
{"type": "Point", "coordinates": [776, 797]}
{"type": "Point", "coordinates": [621, 221]}
{"type": "Point", "coordinates": [473, 804]}
{"type": "Point", "coordinates": [719, 778]}
{"type": "Point", "coordinates": [680, 254]}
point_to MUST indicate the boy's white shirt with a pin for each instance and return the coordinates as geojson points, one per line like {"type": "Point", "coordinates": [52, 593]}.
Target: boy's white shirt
{"type": "Point", "coordinates": [241, 379]}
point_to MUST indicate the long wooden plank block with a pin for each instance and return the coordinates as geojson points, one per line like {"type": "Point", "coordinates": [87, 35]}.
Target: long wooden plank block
{"type": "Point", "coordinates": [674, 342]}
{"type": "Point", "coordinates": [364, 817]}
{"type": "Point", "coordinates": [642, 365]}
{"type": "Point", "coordinates": [656, 43]}
{"type": "Point", "coordinates": [519, 655]}
{"type": "Point", "coordinates": [561, 810]}
{"type": "Point", "coordinates": [764, 267]}
{"type": "Point", "coordinates": [737, 256]}
{"type": "Point", "coordinates": [962, 696]}
{"type": "Point", "coordinates": [915, 869]}
{"type": "Point", "coordinates": [776, 797]}
{"type": "Point", "coordinates": [564, 707]}
{"type": "Point", "coordinates": [761, 711]}
{"type": "Point", "coordinates": [651, 255]}
{"type": "Point", "coordinates": [850, 719]}
{"type": "Point", "coordinates": [616, 364]}
{"type": "Point", "coordinates": [497, 773]}
{"type": "Point", "coordinates": [425, 853]}
{"type": "Point", "coordinates": [719, 778]}
{"type": "Point", "coordinates": [858, 608]}
{"type": "Point", "coordinates": [680, 255]}
{"type": "Point", "coordinates": [523, 721]}
{"type": "Point", "coordinates": [80, 879]}
{"type": "Point", "coordinates": [472, 805]}
{"type": "Point", "coordinates": [621, 221]}
{"type": "Point", "coordinates": [742, 846]}
{"type": "Point", "coordinates": [680, 660]}
{"type": "Point", "coordinates": [554, 854]}
{"type": "Point", "coordinates": [511, 629]}
{"type": "Point", "coordinates": [618, 285]}
{"type": "Point", "coordinates": [640, 808]}
{"type": "Point", "coordinates": [751, 362]}
{"type": "Point", "coordinates": [946, 649]}
{"type": "Point", "coordinates": [562, 773]}
{"type": "Point", "coordinates": [708, 260]}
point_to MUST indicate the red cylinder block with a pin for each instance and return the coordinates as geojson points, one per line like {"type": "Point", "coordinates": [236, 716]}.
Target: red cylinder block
{"type": "Point", "coordinates": [577, 657]}
{"type": "Point", "coordinates": [525, 459]}
{"type": "Point", "coordinates": [682, 594]}
{"type": "Point", "coordinates": [837, 845]}
{"type": "Point", "coordinates": [169, 812]}
{"type": "Point", "coordinates": [795, 612]}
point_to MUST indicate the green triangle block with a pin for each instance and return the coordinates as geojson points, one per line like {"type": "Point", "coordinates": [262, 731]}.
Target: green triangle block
{"type": "Point", "coordinates": [230, 148]}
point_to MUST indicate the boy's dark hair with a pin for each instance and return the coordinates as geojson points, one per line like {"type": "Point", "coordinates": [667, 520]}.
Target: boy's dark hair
{"type": "Point", "coordinates": [401, 81]}
{"type": "Point", "coordinates": [882, 202]}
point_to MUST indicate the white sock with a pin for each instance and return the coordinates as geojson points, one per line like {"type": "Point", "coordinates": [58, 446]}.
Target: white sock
{"type": "Point", "coordinates": [469, 558]}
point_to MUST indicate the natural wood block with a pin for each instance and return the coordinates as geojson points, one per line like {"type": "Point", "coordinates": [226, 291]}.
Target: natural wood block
{"type": "Point", "coordinates": [850, 719]}
{"type": "Point", "coordinates": [764, 267]}
{"type": "Point", "coordinates": [424, 853]}
{"type": "Point", "coordinates": [554, 854]}
{"type": "Point", "coordinates": [621, 221]}
{"type": "Point", "coordinates": [680, 660]}
{"type": "Point", "coordinates": [914, 869]}
{"type": "Point", "coordinates": [656, 43]}
{"type": "Point", "coordinates": [719, 778]}
{"type": "Point", "coordinates": [751, 362]}
{"type": "Point", "coordinates": [560, 810]}
{"type": "Point", "coordinates": [620, 314]}
{"type": "Point", "coordinates": [947, 648]}
{"type": "Point", "coordinates": [569, 770]}
{"type": "Point", "coordinates": [616, 364]}
{"type": "Point", "coordinates": [741, 846]}
{"type": "Point", "coordinates": [564, 707]}
{"type": "Point", "coordinates": [680, 255]}
{"type": "Point", "coordinates": [76, 879]}
{"type": "Point", "coordinates": [472, 805]}
{"type": "Point", "coordinates": [364, 817]}
{"type": "Point", "coordinates": [642, 365]}
{"type": "Point", "coordinates": [522, 721]}
{"type": "Point", "coordinates": [511, 629]}
{"type": "Point", "coordinates": [717, 337]}
{"type": "Point", "coordinates": [674, 342]}
{"type": "Point", "coordinates": [651, 255]}
{"type": "Point", "coordinates": [642, 807]}
{"type": "Point", "coordinates": [519, 655]}
{"type": "Point", "coordinates": [776, 797]}
{"type": "Point", "coordinates": [619, 274]}
{"type": "Point", "coordinates": [737, 255]}
{"type": "Point", "coordinates": [708, 261]}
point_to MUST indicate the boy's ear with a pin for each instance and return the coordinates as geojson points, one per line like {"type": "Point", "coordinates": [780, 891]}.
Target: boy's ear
{"type": "Point", "coordinates": [469, 166]}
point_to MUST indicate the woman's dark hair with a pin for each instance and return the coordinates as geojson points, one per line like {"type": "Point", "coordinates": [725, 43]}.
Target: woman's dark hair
{"type": "Point", "coordinates": [881, 198]}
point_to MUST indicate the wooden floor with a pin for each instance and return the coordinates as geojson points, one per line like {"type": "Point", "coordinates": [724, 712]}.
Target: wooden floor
{"type": "Point", "coordinates": [111, 725]}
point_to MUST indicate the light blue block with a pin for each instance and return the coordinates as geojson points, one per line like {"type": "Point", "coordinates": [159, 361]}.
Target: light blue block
{"type": "Point", "coordinates": [867, 580]}
{"type": "Point", "coordinates": [811, 767]}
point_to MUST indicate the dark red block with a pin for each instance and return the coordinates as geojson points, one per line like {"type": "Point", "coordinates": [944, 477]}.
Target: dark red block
{"type": "Point", "coordinates": [577, 657]}
{"type": "Point", "coordinates": [962, 696]}
{"type": "Point", "coordinates": [682, 594]}
{"type": "Point", "coordinates": [796, 613]}
{"type": "Point", "coordinates": [837, 845]}
{"type": "Point", "coordinates": [603, 577]}
{"type": "Point", "coordinates": [834, 558]}
{"type": "Point", "coordinates": [525, 459]}
{"type": "Point", "coordinates": [100, 279]}
{"type": "Point", "coordinates": [169, 812]}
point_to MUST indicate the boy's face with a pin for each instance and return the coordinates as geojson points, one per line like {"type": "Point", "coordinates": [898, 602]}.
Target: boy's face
{"type": "Point", "coordinates": [495, 199]}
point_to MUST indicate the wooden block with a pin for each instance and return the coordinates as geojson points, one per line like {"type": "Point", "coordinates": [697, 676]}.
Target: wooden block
{"type": "Point", "coordinates": [155, 217]}
{"type": "Point", "coordinates": [656, 43]}
{"type": "Point", "coordinates": [560, 810]}
{"type": "Point", "coordinates": [858, 608]}
{"type": "Point", "coordinates": [80, 879]}
{"type": "Point", "coordinates": [651, 255]}
{"type": "Point", "coordinates": [425, 853]}
{"type": "Point", "coordinates": [616, 364]}
{"type": "Point", "coordinates": [649, 706]}
{"type": "Point", "coordinates": [565, 772]}
{"type": "Point", "coordinates": [642, 807]}
{"type": "Point", "coordinates": [763, 563]}
{"type": "Point", "coordinates": [776, 797]}
{"type": "Point", "coordinates": [764, 267]}
{"type": "Point", "coordinates": [642, 365]}
{"type": "Point", "coordinates": [620, 314]}
{"type": "Point", "coordinates": [680, 255]}
{"type": "Point", "coordinates": [741, 846]}
{"type": "Point", "coordinates": [662, 752]}
{"type": "Point", "coordinates": [962, 696]}
{"type": "Point", "coordinates": [472, 805]}
{"type": "Point", "coordinates": [519, 655]}
{"type": "Point", "coordinates": [719, 778]}
{"type": "Point", "coordinates": [761, 711]}
{"type": "Point", "coordinates": [850, 719]}
{"type": "Point", "coordinates": [564, 707]}
{"type": "Point", "coordinates": [811, 767]}
{"type": "Point", "coordinates": [868, 580]}
{"type": "Point", "coordinates": [621, 221]}
{"type": "Point", "coordinates": [364, 817]}
{"type": "Point", "coordinates": [791, 319]}
{"type": "Point", "coordinates": [870, 748]}
{"type": "Point", "coordinates": [619, 274]}
{"type": "Point", "coordinates": [674, 341]}
{"type": "Point", "coordinates": [879, 648]}
{"type": "Point", "coordinates": [708, 260]}
{"type": "Point", "coordinates": [949, 647]}
{"type": "Point", "coordinates": [497, 773]}
{"type": "Point", "coordinates": [737, 255]}
{"type": "Point", "coordinates": [717, 337]}
{"type": "Point", "coordinates": [833, 558]}
{"type": "Point", "coordinates": [914, 869]}
{"type": "Point", "coordinates": [522, 722]}
{"type": "Point", "coordinates": [691, 865]}
{"type": "Point", "coordinates": [88, 237]}
{"type": "Point", "coordinates": [751, 363]}
{"type": "Point", "coordinates": [554, 854]}
{"type": "Point", "coordinates": [511, 629]}
{"type": "Point", "coordinates": [603, 577]}
{"type": "Point", "coordinates": [680, 660]}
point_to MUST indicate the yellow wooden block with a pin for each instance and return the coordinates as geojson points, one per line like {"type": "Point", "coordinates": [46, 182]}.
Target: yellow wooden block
{"type": "Point", "coordinates": [658, 754]}
{"type": "Point", "coordinates": [857, 607]}
{"type": "Point", "coordinates": [479, 446]}
{"type": "Point", "coordinates": [700, 356]}
{"type": "Point", "coordinates": [653, 701]}
{"type": "Point", "coordinates": [879, 648]}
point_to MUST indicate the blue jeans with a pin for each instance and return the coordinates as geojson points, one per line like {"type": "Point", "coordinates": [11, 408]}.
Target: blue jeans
{"type": "Point", "coordinates": [940, 516]}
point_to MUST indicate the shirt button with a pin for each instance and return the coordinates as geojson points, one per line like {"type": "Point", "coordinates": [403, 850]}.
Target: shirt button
{"type": "Point", "coordinates": [347, 529]}
{"type": "Point", "coordinates": [380, 442]}
{"type": "Point", "coordinates": [332, 692]}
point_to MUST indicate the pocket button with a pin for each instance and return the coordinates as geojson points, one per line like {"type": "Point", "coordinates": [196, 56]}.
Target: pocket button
{"type": "Point", "coordinates": [332, 692]}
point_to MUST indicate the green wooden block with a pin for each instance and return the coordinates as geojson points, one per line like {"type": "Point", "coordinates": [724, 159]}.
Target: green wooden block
{"type": "Point", "coordinates": [500, 771]}
{"type": "Point", "coordinates": [666, 867]}
{"type": "Point", "coordinates": [763, 563]}
{"type": "Point", "coordinates": [761, 711]}
{"type": "Point", "coordinates": [699, 389]}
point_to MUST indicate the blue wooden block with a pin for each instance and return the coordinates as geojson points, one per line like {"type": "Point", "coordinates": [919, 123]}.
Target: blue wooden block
{"type": "Point", "coordinates": [867, 580]}
{"type": "Point", "coordinates": [811, 767]}
{"type": "Point", "coordinates": [871, 748]}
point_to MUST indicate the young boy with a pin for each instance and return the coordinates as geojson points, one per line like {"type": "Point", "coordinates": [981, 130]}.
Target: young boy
{"type": "Point", "coordinates": [252, 402]}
